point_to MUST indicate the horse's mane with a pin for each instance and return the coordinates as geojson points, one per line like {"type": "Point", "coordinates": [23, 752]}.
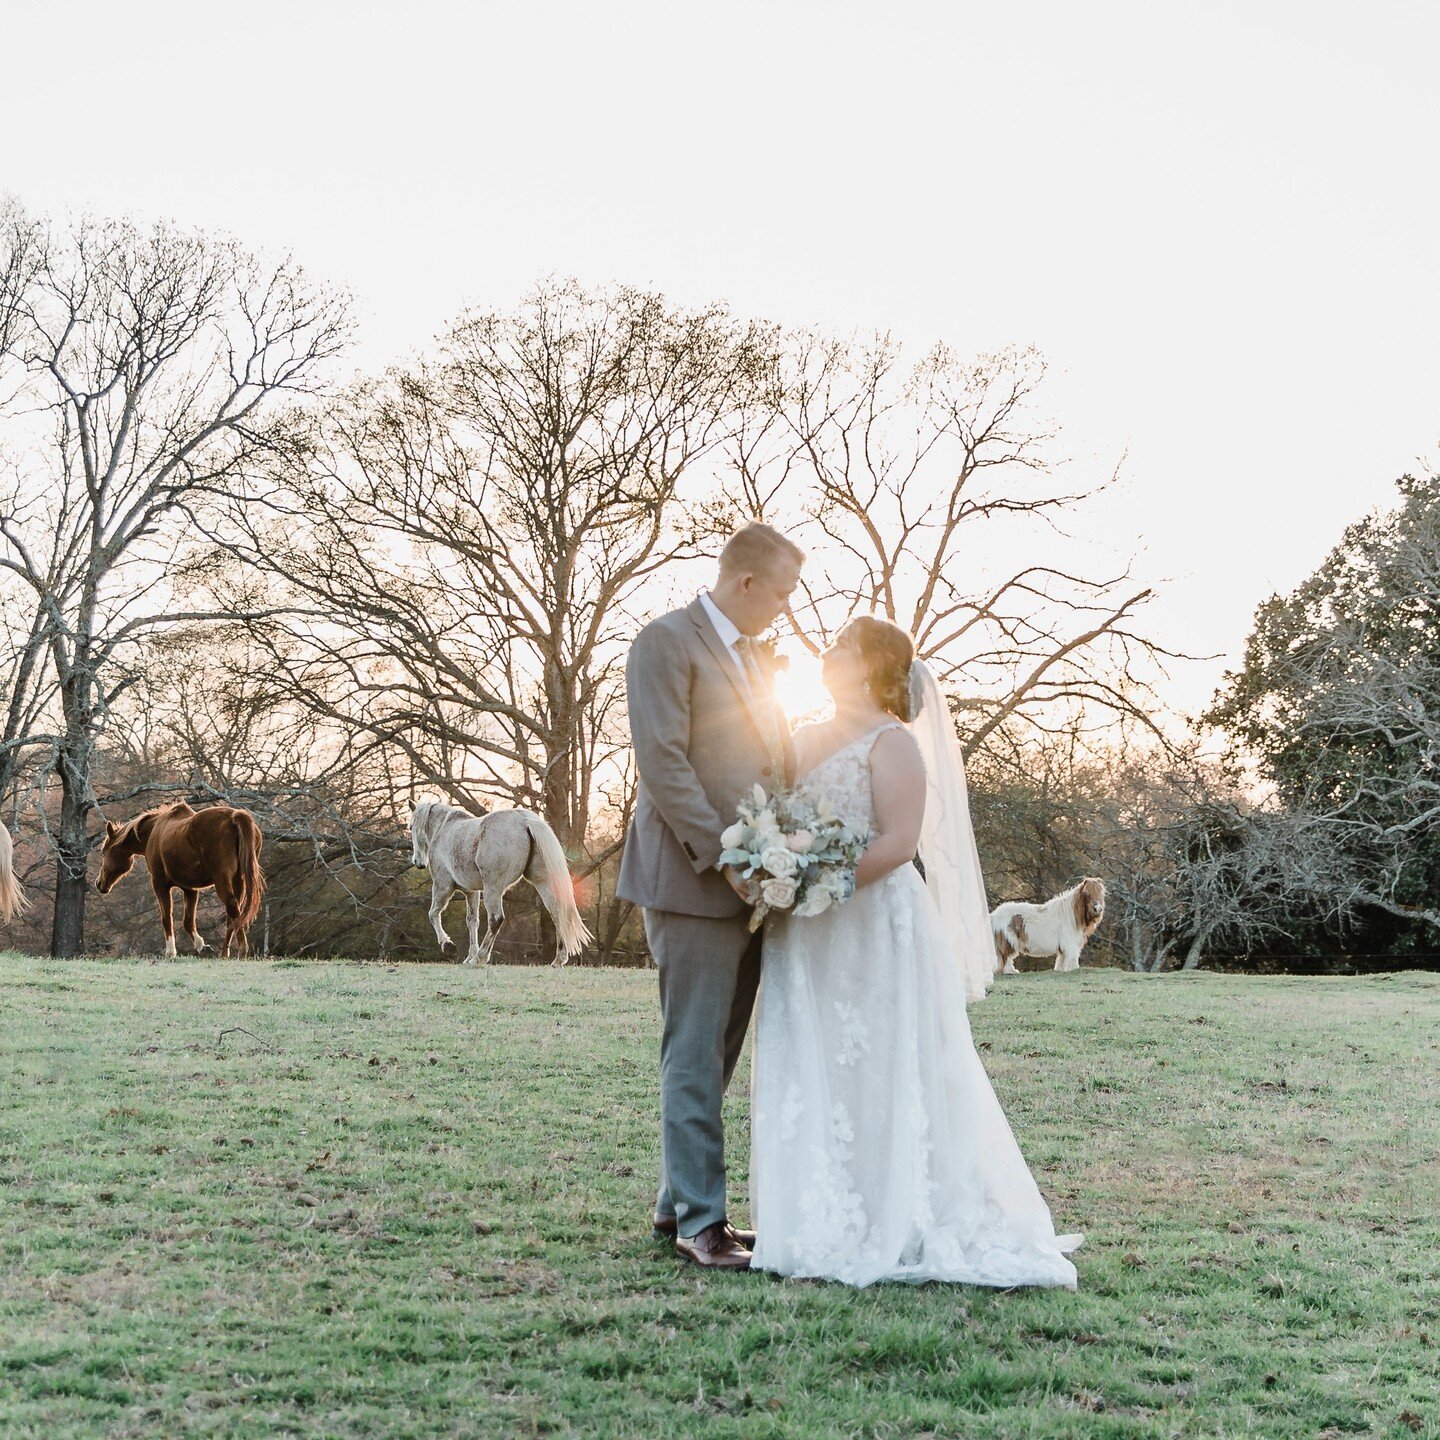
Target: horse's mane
{"type": "Point", "coordinates": [442, 807]}
{"type": "Point", "coordinates": [157, 809]}
{"type": "Point", "coordinates": [130, 826]}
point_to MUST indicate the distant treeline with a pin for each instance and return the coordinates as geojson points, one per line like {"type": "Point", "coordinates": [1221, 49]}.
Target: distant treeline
{"type": "Point", "coordinates": [230, 570]}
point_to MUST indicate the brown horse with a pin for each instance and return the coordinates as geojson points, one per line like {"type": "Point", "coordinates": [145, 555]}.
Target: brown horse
{"type": "Point", "coordinates": [191, 850]}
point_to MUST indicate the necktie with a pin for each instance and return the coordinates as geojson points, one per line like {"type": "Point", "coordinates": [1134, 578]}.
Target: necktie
{"type": "Point", "coordinates": [749, 665]}
{"type": "Point", "coordinates": [761, 706]}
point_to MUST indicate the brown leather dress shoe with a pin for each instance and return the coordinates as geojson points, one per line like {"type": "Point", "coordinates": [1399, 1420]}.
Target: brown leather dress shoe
{"type": "Point", "coordinates": [714, 1248]}
{"type": "Point", "coordinates": [668, 1228]}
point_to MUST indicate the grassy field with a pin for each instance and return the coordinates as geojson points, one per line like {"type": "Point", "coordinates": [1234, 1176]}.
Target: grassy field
{"type": "Point", "coordinates": [281, 1198]}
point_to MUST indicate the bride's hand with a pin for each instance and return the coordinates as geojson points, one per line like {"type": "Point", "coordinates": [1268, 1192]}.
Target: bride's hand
{"type": "Point", "coordinates": [736, 883]}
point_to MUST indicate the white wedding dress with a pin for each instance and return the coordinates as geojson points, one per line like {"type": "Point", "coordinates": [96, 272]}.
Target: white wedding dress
{"type": "Point", "coordinates": [878, 1148]}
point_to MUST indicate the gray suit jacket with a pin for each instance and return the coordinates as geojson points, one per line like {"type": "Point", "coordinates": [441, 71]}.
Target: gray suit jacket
{"type": "Point", "coordinates": [699, 750]}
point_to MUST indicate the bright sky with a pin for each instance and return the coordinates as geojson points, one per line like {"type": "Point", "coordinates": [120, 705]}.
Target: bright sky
{"type": "Point", "coordinates": [1218, 221]}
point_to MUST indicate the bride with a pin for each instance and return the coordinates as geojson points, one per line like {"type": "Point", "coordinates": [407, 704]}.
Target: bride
{"type": "Point", "coordinates": [879, 1150]}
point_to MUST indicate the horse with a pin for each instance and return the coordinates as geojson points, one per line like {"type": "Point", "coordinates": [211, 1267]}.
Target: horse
{"type": "Point", "coordinates": [12, 898]}
{"type": "Point", "coordinates": [483, 856]}
{"type": "Point", "coordinates": [1060, 927]}
{"type": "Point", "coordinates": [191, 850]}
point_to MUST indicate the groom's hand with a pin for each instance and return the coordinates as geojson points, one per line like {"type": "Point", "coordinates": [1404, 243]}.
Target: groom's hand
{"type": "Point", "coordinates": [737, 884]}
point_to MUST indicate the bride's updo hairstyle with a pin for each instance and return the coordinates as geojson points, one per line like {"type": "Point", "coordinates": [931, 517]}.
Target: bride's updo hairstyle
{"type": "Point", "coordinates": [887, 654]}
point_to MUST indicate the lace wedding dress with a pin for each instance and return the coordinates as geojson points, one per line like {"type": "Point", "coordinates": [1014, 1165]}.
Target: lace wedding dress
{"type": "Point", "coordinates": [878, 1149]}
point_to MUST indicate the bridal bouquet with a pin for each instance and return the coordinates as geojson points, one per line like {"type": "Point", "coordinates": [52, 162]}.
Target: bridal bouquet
{"type": "Point", "coordinates": [792, 853]}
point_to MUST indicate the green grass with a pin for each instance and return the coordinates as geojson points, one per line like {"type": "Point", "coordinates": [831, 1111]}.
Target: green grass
{"type": "Point", "coordinates": [411, 1202]}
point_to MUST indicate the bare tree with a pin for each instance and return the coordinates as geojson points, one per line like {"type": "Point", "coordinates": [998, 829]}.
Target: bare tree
{"type": "Point", "coordinates": [471, 541]}
{"type": "Point", "coordinates": [195, 725]}
{"type": "Point", "coordinates": [21, 247]}
{"type": "Point", "coordinates": [26, 684]}
{"type": "Point", "coordinates": [919, 477]}
{"type": "Point", "coordinates": [147, 361]}
{"type": "Point", "coordinates": [1195, 864]}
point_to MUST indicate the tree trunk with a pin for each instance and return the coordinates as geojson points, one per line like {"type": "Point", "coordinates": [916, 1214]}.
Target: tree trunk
{"type": "Point", "coordinates": [556, 807]}
{"type": "Point", "coordinates": [1192, 956]}
{"type": "Point", "coordinates": [72, 851]}
{"type": "Point", "coordinates": [617, 915]}
{"type": "Point", "coordinates": [1138, 948]}
{"type": "Point", "coordinates": [67, 932]}
{"type": "Point", "coordinates": [1158, 963]}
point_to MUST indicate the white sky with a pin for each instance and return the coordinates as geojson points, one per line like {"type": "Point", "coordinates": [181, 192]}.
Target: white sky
{"type": "Point", "coordinates": [1219, 221]}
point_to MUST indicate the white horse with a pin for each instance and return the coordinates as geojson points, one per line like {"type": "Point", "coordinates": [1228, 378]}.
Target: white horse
{"type": "Point", "coordinates": [1060, 927]}
{"type": "Point", "coordinates": [12, 897]}
{"type": "Point", "coordinates": [483, 856]}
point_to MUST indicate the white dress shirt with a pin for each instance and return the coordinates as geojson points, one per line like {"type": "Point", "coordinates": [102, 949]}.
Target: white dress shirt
{"type": "Point", "coordinates": [728, 631]}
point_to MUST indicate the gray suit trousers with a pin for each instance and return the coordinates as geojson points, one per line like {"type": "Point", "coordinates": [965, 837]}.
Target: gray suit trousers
{"type": "Point", "coordinates": [709, 974]}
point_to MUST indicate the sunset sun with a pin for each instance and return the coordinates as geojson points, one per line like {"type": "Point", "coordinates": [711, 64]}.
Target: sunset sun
{"type": "Point", "coordinates": [800, 690]}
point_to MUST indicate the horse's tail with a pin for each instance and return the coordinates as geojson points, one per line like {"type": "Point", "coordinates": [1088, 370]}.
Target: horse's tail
{"type": "Point", "coordinates": [13, 901]}
{"type": "Point", "coordinates": [569, 925]}
{"type": "Point", "coordinates": [250, 882]}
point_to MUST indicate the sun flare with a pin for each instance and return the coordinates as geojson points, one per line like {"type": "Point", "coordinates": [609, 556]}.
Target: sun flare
{"type": "Point", "coordinates": [799, 689]}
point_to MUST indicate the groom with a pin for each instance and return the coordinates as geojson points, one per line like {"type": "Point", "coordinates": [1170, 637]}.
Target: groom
{"type": "Point", "coordinates": [706, 730]}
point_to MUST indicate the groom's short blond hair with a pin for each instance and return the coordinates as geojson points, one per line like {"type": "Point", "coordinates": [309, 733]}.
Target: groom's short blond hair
{"type": "Point", "coordinates": [756, 549]}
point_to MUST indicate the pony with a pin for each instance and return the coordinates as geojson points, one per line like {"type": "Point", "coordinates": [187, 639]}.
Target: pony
{"type": "Point", "coordinates": [483, 856]}
{"type": "Point", "coordinates": [1060, 927]}
{"type": "Point", "coordinates": [191, 850]}
{"type": "Point", "coordinates": [12, 898]}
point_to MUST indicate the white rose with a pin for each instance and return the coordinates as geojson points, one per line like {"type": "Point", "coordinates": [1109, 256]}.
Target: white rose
{"type": "Point", "coordinates": [733, 837]}
{"type": "Point", "coordinates": [780, 862]}
{"type": "Point", "coordinates": [778, 894]}
{"type": "Point", "coordinates": [816, 902]}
